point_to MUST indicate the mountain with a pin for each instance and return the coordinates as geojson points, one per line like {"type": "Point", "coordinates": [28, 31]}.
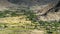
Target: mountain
{"type": "Point", "coordinates": [40, 7]}
{"type": "Point", "coordinates": [29, 3]}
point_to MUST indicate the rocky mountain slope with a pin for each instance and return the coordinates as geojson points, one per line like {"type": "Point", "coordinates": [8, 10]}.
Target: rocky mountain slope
{"type": "Point", "coordinates": [39, 7]}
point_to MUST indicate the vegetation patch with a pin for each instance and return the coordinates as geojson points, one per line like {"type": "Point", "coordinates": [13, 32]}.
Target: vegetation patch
{"type": "Point", "coordinates": [25, 20]}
